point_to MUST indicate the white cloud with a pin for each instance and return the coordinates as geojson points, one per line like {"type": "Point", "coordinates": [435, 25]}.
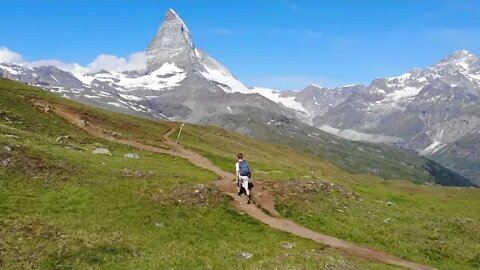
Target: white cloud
{"type": "Point", "coordinates": [133, 62]}
{"type": "Point", "coordinates": [7, 56]}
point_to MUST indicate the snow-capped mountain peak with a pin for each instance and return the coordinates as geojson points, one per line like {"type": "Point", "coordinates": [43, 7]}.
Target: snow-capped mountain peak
{"type": "Point", "coordinates": [460, 54]}
{"type": "Point", "coordinates": [425, 109]}
{"type": "Point", "coordinates": [172, 15]}
{"type": "Point", "coordinates": [461, 60]}
{"type": "Point", "coordinates": [173, 44]}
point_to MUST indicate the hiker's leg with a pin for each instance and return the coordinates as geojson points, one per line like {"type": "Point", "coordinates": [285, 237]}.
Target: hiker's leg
{"type": "Point", "coordinates": [244, 180]}
{"type": "Point", "coordinates": [246, 187]}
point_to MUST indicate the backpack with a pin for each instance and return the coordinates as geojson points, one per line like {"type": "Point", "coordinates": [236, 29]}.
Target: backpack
{"type": "Point", "coordinates": [243, 168]}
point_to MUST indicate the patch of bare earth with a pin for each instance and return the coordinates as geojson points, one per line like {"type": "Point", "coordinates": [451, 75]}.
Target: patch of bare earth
{"type": "Point", "coordinates": [202, 195]}
{"type": "Point", "coordinates": [17, 159]}
{"type": "Point", "coordinates": [303, 188]}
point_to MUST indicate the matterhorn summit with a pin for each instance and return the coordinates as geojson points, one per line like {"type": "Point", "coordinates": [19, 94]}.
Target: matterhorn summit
{"type": "Point", "coordinates": [181, 82]}
{"type": "Point", "coordinates": [172, 44]}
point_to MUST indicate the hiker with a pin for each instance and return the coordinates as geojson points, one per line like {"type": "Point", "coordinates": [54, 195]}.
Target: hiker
{"type": "Point", "coordinates": [243, 174]}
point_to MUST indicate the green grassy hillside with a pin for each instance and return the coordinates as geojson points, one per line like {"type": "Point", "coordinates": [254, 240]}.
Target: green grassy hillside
{"type": "Point", "coordinates": [63, 207]}
{"type": "Point", "coordinates": [435, 225]}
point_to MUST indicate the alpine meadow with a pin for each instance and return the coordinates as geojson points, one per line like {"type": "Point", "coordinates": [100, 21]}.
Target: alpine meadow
{"type": "Point", "coordinates": [138, 162]}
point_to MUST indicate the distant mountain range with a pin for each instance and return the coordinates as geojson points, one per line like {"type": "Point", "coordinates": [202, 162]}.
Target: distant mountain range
{"type": "Point", "coordinates": [433, 111]}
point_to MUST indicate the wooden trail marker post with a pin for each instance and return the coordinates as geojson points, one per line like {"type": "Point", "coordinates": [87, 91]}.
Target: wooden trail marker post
{"type": "Point", "coordinates": [178, 138]}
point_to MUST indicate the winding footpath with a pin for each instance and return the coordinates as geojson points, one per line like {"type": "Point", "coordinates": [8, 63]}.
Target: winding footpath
{"type": "Point", "coordinates": [263, 200]}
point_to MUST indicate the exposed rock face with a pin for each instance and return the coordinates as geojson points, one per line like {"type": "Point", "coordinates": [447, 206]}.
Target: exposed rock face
{"type": "Point", "coordinates": [319, 100]}
{"type": "Point", "coordinates": [311, 102]}
{"type": "Point", "coordinates": [172, 44]}
{"type": "Point", "coordinates": [44, 75]}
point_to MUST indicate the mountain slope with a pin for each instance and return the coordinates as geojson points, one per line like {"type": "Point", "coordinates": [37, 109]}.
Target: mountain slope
{"type": "Point", "coordinates": [427, 110]}
{"type": "Point", "coordinates": [311, 102]}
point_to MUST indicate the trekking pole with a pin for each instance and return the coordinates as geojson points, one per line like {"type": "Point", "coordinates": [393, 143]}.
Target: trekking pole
{"type": "Point", "coordinates": [178, 138]}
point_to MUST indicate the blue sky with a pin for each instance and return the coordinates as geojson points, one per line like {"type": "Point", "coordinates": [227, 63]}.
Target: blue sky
{"type": "Point", "coordinates": [283, 44]}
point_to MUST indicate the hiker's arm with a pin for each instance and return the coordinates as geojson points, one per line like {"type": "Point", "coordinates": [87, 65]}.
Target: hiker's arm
{"type": "Point", "coordinates": [237, 179]}
{"type": "Point", "coordinates": [237, 175]}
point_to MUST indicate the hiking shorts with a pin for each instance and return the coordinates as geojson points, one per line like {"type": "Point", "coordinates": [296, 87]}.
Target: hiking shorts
{"type": "Point", "coordinates": [244, 181]}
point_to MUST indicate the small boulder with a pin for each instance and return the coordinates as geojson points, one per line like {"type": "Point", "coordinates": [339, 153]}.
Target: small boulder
{"type": "Point", "coordinates": [245, 255]}
{"type": "Point", "coordinates": [131, 155]}
{"type": "Point", "coordinates": [102, 151]}
{"type": "Point", "coordinates": [62, 139]}
{"type": "Point", "coordinates": [116, 134]}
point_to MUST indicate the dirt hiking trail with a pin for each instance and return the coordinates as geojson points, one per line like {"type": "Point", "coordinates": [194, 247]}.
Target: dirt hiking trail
{"type": "Point", "coordinates": [263, 200]}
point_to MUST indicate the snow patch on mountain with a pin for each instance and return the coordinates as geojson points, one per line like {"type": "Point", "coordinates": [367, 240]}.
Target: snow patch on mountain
{"type": "Point", "coordinates": [84, 78]}
{"type": "Point", "coordinates": [224, 79]}
{"type": "Point", "coordinates": [360, 136]}
{"type": "Point", "coordinates": [216, 72]}
{"type": "Point", "coordinates": [406, 92]}
{"type": "Point", "coordinates": [168, 75]}
{"type": "Point", "coordinates": [277, 97]}
{"type": "Point", "coordinates": [130, 97]}
{"type": "Point", "coordinates": [11, 69]}
{"type": "Point", "coordinates": [402, 77]}
{"type": "Point", "coordinates": [432, 148]}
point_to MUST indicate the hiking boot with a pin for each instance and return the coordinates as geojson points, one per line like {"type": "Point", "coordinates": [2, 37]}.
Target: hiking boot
{"type": "Point", "coordinates": [249, 202]}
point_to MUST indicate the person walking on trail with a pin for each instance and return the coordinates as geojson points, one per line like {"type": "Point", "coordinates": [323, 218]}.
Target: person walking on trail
{"type": "Point", "coordinates": [243, 174]}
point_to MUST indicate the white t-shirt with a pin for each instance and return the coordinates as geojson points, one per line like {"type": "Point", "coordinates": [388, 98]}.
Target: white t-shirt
{"type": "Point", "coordinates": [237, 169]}
{"type": "Point", "coordinates": [237, 166]}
